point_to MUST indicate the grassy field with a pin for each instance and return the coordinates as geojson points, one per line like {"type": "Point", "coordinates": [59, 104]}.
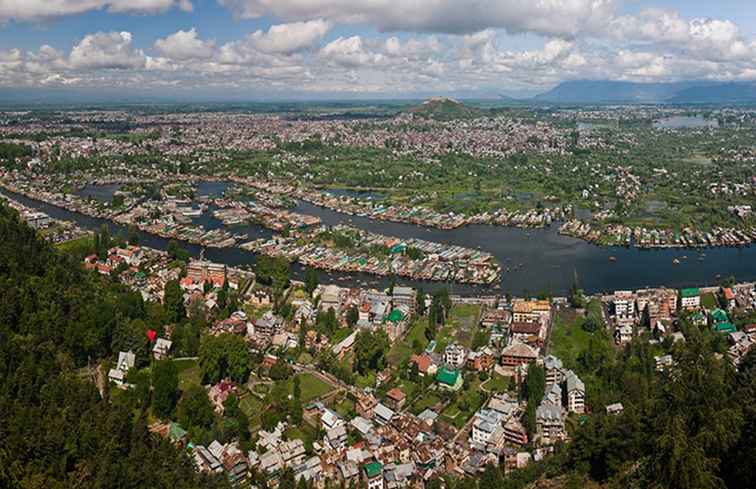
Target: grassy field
{"type": "Point", "coordinates": [312, 387]}
{"type": "Point", "coordinates": [252, 407]}
{"type": "Point", "coordinates": [79, 246]}
{"type": "Point", "coordinates": [466, 404]}
{"type": "Point", "coordinates": [460, 328]}
{"type": "Point", "coordinates": [709, 301]}
{"type": "Point", "coordinates": [568, 338]}
{"type": "Point", "coordinates": [402, 350]}
{"type": "Point", "coordinates": [496, 383]}
{"type": "Point", "coordinates": [427, 400]}
{"type": "Point", "coordinates": [188, 372]}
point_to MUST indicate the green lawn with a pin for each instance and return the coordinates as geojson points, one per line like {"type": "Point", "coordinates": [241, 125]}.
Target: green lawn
{"type": "Point", "coordinates": [345, 408]}
{"type": "Point", "coordinates": [189, 373]}
{"type": "Point", "coordinates": [709, 301]}
{"type": "Point", "coordinates": [252, 407]}
{"type": "Point", "coordinates": [496, 383]}
{"type": "Point", "coordinates": [312, 387]}
{"type": "Point", "coordinates": [365, 380]}
{"type": "Point", "coordinates": [79, 246]}
{"type": "Point", "coordinates": [466, 404]}
{"type": "Point", "coordinates": [424, 401]}
{"type": "Point", "coordinates": [568, 338]}
{"type": "Point", "coordinates": [402, 350]}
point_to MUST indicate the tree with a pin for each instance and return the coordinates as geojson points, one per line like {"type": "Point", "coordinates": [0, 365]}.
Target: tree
{"type": "Point", "coordinates": [311, 280]}
{"type": "Point", "coordinates": [420, 298]}
{"type": "Point", "coordinates": [133, 235]}
{"type": "Point", "coordinates": [176, 252]}
{"type": "Point", "coordinates": [165, 387]}
{"type": "Point", "coordinates": [195, 409]}
{"type": "Point", "coordinates": [352, 316]}
{"type": "Point", "coordinates": [225, 355]}
{"type": "Point", "coordinates": [370, 351]}
{"type": "Point", "coordinates": [173, 300]}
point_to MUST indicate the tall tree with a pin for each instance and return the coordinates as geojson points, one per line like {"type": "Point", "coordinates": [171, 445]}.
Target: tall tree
{"type": "Point", "coordinates": [165, 387]}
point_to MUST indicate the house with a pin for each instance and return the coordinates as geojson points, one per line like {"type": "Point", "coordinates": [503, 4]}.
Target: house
{"type": "Point", "coordinates": [690, 298]}
{"type": "Point", "coordinates": [269, 325]}
{"type": "Point", "coordinates": [425, 365]}
{"type": "Point", "coordinates": [365, 405]}
{"type": "Point", "coordinates": [329, 419]}
{"type": "Point", "coordinates": [729, 296]}
{"type": "Point", "coordinates": [344, 346]}
{"type": "Point", "coordinates": [554, 370]}
{"type": "Point", "coordinates": [395, 398]}
{"type": "Point", "coordinates": [126, 361]}
{"type": "Point", "coordinates": [624, 308]}
{"type": "Point", "coordinates": [518, 354]}
{"type": "Point", "coordinates": [206, 461]}
{"type": "Point", "coordinates": [725, 327]}
{"type": "Point", "coordinates": [398, 475]}
{"type": "Point", "coordinates": [481, 360]}
{"type": "Point", "coordinates": [515, 432]}
{"type": "Point", "coordinates": [454, 355]}
{"type": "Point", "coordinates": [549, 423]}
{"type": "Point", "coordinates": [162, 348]}
{"type": "Point", "coordinates": [663, 362]}
{"type": "Point", "coordinates": [405, 296]}
{"type": "Point", "coordinates": [373, 475]}
{"type": "Point", "coordinates": [331, 298]}
{"type": "Point", "coordinates": [615, 409]}
{"type": "Point", "coordinates": [362, 425]}
{"type": "Point", "coordinates": [336, 438]}
{"type": "Point", "coordinates": [486, 423]}
{"type": "Point", "coordinates": [449, 379]}
{"type": "Point", "coordinates": [575, 393]}
{"type": "Point", "coordinates": [623, 334]}
{"type": "Point", "coordinates": [383, 415]}
{"type": "Point", "coordinates": [530, 311]}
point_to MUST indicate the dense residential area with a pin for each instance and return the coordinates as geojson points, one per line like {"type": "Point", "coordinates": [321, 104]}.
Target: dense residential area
{"type": "Point", "coordinates": [260, 380]}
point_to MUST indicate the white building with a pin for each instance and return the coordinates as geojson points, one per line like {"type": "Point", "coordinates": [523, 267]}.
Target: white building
{"type": "Point", "coordinates": [454, 355]}
{"type": "Point", "coordinates": [575, 393]}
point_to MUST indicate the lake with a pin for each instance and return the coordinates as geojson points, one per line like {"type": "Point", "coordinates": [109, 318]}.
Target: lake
{"type": "Point", "coordinates": [533, 260]}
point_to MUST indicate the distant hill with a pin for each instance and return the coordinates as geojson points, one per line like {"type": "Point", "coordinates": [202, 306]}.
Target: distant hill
{"type": "Point", "coordinates": [444, 109]}
{"type": "Point", "coordinates": [604, 91]}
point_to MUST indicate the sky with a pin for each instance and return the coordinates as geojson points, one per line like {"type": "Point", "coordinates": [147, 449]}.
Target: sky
{"type": "Point", "coordinates": [279, 49]}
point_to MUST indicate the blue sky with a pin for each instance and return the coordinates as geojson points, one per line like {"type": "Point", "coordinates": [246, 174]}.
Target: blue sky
{"type": "Point", "coordinates": [259, 47]}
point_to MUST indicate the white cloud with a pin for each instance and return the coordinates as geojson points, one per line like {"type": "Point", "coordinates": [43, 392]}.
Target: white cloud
{"type": "Point", "coordinates": [289, 38]}
{"type": "Point", "coordinates": [548, 17]}
{"type": "Point", "coordinates": [184, 45]}
{"type": "Point", "coordinates": [350, 52]}
{"type": "Point", "coordinates": [109, 50]}
{"type": "Point", "coordinates": [40, 10]}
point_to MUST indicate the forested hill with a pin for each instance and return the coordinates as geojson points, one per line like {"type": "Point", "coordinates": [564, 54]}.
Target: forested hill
{"type": "Point", "coordinates": [56, 431]}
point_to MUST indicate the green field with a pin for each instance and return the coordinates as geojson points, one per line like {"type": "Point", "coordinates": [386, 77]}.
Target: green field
{"type": "Point", "coordinates": [189, 373]}
{"type": "Point", "coordinates": [568, 338]}
{"type": "Point", "coordinates": [402, 350]}
{"type": "Point", "coordinates": [252, 407]}
{"type": "Point", "coordinates": [312, 387]}
{"type": "Point", "coordinates": [496, 383]}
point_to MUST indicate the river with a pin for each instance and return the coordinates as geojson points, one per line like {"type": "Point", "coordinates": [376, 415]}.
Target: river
{"type": "Point", "coordinates": [533, 260]}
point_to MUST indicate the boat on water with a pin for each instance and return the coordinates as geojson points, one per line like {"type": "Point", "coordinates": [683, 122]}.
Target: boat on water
{"type": "Point", "coordinates": [612, 258]}
{"type": "Point", "coordinates": [675, 261]}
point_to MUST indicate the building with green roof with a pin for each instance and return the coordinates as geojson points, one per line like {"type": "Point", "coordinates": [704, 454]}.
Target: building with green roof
{"type": "Point", "coordinates": [395, 316]}
{"type": "Point", "coordinates": [373, 469]}
{"type": "Point", "coordinates": [719, 316]}
{"type": "Point", "coordinates": [690, 298]}
{"type": "Point", "coordinates": [449, 379]}
{"type": "Point", "coordinates": [725, 327]}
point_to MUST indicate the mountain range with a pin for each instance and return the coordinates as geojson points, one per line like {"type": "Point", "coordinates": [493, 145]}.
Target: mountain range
{"type": "Point", "coordinates": [688, 92]}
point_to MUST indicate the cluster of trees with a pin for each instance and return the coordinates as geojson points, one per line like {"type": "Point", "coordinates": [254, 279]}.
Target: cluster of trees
{"type": "Point", "coordinates": [57, 431]}
{"type": "Point", "coordinates": [195, 412]}
{"type": "Point", "coordinates": [370, 349]}
{"type": "Point", "coordinates": [692, 426]}
{"type": "Point", "coordinates": [9, 152]}
{"type": "Point", "coordinates": [224, 356]}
